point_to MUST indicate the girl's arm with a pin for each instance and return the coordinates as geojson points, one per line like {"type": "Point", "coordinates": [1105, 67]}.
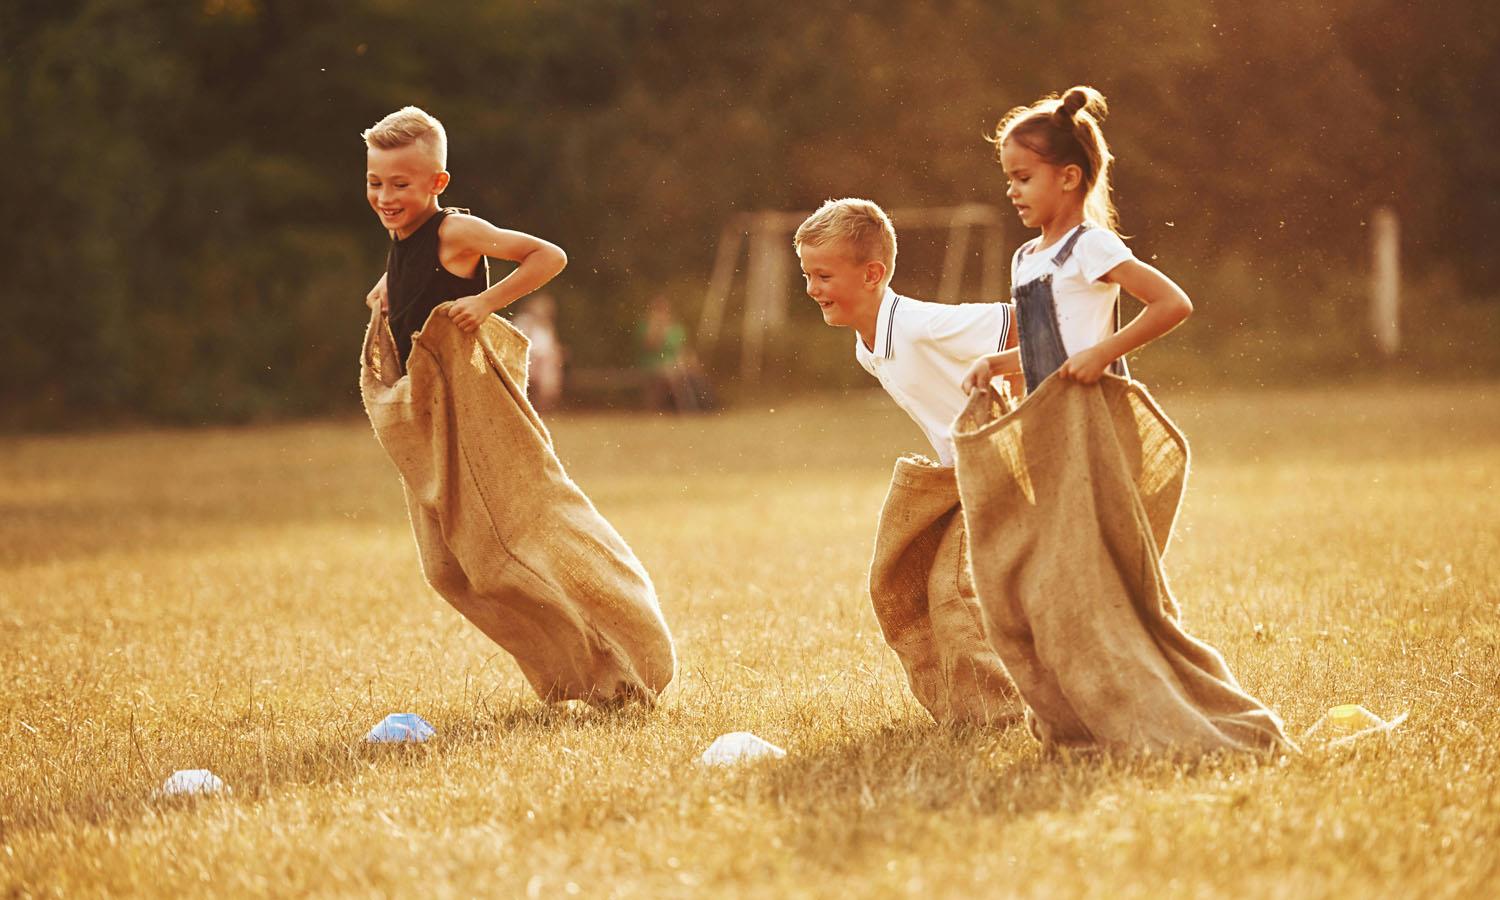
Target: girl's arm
{"type": "Point", "coordinates": [467, 238]}
{"type": "Point", "coordinates": [1167, 305]}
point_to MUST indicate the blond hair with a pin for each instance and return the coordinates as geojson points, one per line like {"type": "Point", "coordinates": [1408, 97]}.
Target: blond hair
{"type": "Point", "coordinates": [860, 224]}
{"type": "Point", "coordinates": [1066, 131]}
{"type": "Point", "coordinates": [406, 126]}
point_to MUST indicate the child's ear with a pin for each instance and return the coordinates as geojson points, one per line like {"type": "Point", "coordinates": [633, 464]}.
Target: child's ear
{"type": "Point", "coordinates": [440, 182]}
{"type": "Point", "coordinates": [1072, 177]}
{"type": "Point", "coordinates": [874, 272]}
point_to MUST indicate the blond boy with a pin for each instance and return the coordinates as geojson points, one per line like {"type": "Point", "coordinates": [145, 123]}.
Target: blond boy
{"type": "Point", "coordinates": [919, 352]}
{"type": "Point", "coordinates": [438, 254]}
{"type": "Point", "coordinates": [502, 533]}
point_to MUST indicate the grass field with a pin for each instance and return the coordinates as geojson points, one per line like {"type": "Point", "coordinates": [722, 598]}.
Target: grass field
{"type": "Point", "coordinates": [249, 601]}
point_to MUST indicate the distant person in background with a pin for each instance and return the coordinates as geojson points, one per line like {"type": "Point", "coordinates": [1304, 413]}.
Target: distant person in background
{"type": "Point", "coordinates": [538, 321]}
{"type": "Point", "coordinates": [675, 380]}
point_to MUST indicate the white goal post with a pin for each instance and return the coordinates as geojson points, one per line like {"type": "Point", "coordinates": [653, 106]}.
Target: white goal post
{"type": "Point", "coordinates": [769, 268]}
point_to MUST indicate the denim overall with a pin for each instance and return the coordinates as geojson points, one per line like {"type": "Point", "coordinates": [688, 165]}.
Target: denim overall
{"type": "Point", "coordinates": [1042, 351]}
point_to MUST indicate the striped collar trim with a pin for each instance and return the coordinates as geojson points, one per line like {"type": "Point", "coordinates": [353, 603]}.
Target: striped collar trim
{"type": "Point", "coordinates": [885, 322]}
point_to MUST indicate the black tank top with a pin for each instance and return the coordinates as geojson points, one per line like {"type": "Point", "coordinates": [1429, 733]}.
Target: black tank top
{"type": "Point", "coordinates": [416, 281]}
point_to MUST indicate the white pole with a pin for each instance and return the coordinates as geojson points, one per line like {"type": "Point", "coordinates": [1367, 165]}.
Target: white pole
{"type": "Point", "coordinates": [951, 286]}
{"type": "Point", "coordinates": [719, 284]}
{"type": "Point", "coordinates": [993, 280]}
{"type": "Point", "coordinates": [763, 244]}
{"type": "Point", "coordinates": [1385, 280]}
{"type": "Point", "coordinates": [778, 252]}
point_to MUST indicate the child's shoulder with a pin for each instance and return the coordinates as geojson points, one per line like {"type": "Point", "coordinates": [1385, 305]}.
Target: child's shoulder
{"type": "Point", "coordinates": [1096, 239]}
{"type": "Point", "coordinates": [1099, 250]}
{"type": "Point", "coordinates": [459, 226]}
{"type": "Point", "coordinates": [904, 306]}
{"type": "Point", "coordinates": [945, 322]}
{"type": "Point", "coordinates": [457, 219]}
{"type": "Point", "coordinates": [912, 308]}
{"type": "Point", "coordinates": [909, 316]}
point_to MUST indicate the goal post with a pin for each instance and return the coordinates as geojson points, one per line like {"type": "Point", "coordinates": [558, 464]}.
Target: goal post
{"type": "Point", "coordinates": [763, 240]}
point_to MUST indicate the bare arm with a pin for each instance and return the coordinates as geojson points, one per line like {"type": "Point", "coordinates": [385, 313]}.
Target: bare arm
{"type": "Point", "coordinates": [985, 368]}
{"type": "Point", "coordinates": [1006, 362]}
{"type": "Point", "coordinates": [1167, 305]}
{"type": "Point", "coordinates": [378, 297]}
{"type": "Point", "coordinates": [466, 239]}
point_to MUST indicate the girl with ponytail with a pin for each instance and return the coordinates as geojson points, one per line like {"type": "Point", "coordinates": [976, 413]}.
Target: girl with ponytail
{"type": "Point", "coordinates": [1066, 281]}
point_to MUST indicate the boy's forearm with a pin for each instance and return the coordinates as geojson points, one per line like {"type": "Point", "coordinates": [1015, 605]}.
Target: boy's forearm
{"type": "Point", "coordinates": [538, 268]}
{"type": "Point", "coordinates": [1006, 362]}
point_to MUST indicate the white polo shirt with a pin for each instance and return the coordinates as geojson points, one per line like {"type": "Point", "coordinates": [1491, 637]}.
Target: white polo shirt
{"type": "Point", "coordinates": [922, 352]}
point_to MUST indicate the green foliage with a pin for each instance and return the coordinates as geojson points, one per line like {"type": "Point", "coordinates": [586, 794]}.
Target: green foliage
{"type": "Point", "coordinates": [189, 240]}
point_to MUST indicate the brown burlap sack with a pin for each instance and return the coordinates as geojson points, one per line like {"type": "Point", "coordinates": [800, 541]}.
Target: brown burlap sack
{"type": "Point", "coordinates": [1070, 501]}
{"type": "Point", "coordinates": [503, 533]}
{"type": "Point", "coordinates": [924, 599]}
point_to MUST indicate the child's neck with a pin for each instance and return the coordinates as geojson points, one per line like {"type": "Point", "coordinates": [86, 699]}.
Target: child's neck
{"type": "Point", "coordinates": [416, 225]}
{"type": "Point", "coordinates": [864, 321]}
{"type": "Point", "coordinates": [1053, 231]}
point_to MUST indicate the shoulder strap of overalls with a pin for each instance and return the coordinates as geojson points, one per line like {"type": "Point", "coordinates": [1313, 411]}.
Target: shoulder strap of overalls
{"type": "Point", "coordinates": [1058, 258]}
{"type": "Point", "coordinates": [1015, 260]}
{"type": "Point", "coordinates": [1061, 256]}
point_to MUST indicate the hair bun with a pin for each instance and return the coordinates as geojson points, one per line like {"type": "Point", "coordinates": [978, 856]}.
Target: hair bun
{"type": "Point", "coordinates": [1081, 98]}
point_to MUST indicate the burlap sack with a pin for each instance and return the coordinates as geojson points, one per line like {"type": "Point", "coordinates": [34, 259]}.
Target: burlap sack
{"type": "Point", "coordinates": [503, 533]}
{"type": "Point", "coordinates": [924, 600]}
{"type": "Point", "coordinates": [1070, 501]}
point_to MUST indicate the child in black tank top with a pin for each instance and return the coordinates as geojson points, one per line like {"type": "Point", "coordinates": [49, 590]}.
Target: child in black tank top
{"type": "Point", "coordinates": [416, 281]}
{"type": "Point", "coordinates": [502, 533]}
{"type": "Point", "coordinates": [406, 155]}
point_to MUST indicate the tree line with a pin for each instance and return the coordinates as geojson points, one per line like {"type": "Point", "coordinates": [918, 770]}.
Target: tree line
{"type": "Point", "coordinates": [189, 241]}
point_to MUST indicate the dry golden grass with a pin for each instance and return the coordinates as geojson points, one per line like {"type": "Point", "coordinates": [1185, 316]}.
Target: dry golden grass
{"type": "Point", "coordinates": [249, 601]}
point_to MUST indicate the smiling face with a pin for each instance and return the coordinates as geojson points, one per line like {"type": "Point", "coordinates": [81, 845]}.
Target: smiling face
{"type": "Point", "coordinates": [402, 185]}
{"type": "Point", "coordinates": [846, 290]}
{"type": "Point", "coordinates": [1039, 190]}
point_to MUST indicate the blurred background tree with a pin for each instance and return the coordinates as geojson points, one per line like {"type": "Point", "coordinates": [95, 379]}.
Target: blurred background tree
{"type": "Point", "coordinates": [187, 237]}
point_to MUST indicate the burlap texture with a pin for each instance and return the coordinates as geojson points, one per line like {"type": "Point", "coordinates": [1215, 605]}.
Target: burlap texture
{"type": "Point", "coordinates": [1070, 500]}
{"type": "Point", "coordinates": [504, 535]}
{"type": "Point", "coordinates": [925, 603]}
